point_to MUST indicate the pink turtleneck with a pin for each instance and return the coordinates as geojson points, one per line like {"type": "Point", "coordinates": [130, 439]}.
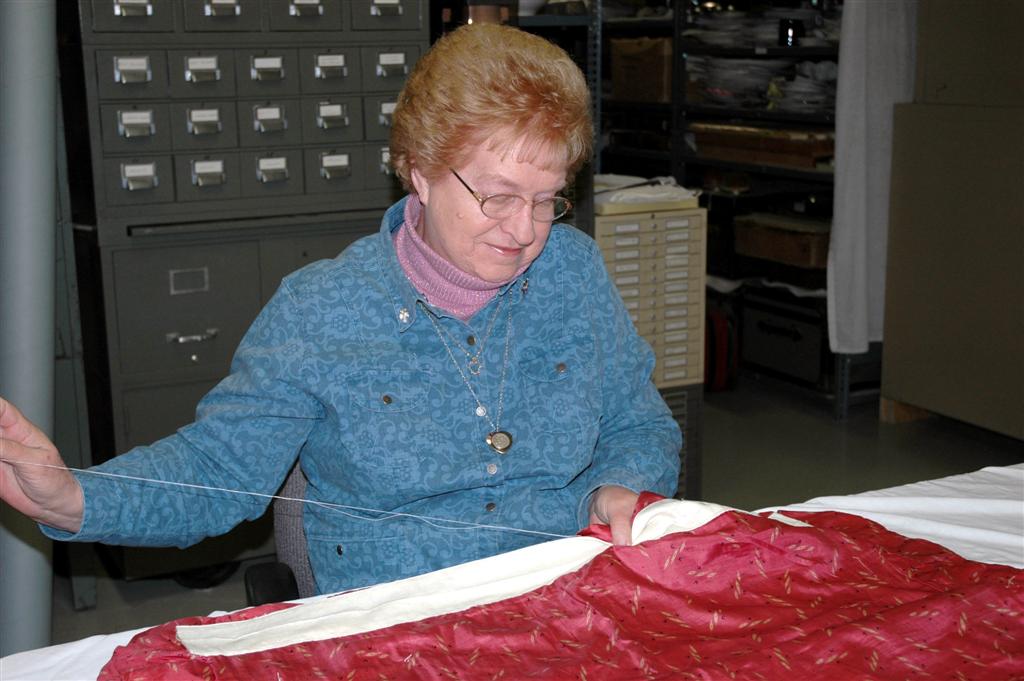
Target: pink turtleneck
{"type": "Point", "coordinates": [443, 284]}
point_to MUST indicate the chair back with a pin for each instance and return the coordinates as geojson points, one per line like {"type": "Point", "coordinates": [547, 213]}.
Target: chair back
{"type": "Point", "coordinates": [290, 534]}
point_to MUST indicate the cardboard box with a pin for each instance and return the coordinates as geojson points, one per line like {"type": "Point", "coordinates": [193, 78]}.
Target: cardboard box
{"type": "Point", "coordinates": [970, 52]}
{"type": "Point", "coordinates": [954, 292]}
{"type": "Point", "coordinates": [642, 69]}
{"type": "Point", "coordinates": [792, 241]}
{"type": "Point", "coordinates": [792, 148]}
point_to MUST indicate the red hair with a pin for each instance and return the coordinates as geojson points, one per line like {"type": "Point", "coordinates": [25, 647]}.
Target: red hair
{"type": "Point", "coordinates": [495, 85]}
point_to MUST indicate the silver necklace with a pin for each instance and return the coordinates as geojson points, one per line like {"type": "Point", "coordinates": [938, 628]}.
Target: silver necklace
{"type": "Point", "coordinates": [475, 365]}
{"type": "Point", "coordinates": [499, 440]}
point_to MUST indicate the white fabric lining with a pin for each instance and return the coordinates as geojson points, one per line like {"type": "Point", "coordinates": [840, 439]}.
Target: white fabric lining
{"type": "Point", "coordinates": [436, 593]}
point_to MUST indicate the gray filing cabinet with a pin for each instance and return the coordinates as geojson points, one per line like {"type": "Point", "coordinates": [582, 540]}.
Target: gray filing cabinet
{"type": "Point", "coordinates": [225, 143]}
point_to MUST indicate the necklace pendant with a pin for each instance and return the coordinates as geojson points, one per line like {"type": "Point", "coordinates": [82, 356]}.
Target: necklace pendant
{"type": "Point", "coordinates": [481, 410]}
{"type": "Point", "coordinates": [499, 441]}
{"type": "Point", "coordinates": [475, 365]}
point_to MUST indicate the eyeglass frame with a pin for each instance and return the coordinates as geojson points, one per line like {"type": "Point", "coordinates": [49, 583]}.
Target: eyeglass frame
{"type": "Point", "coordinates": [480, 199]}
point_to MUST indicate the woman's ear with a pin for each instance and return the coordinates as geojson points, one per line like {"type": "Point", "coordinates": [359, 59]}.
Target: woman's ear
{"type": "Point", "coordinates": [420, 184]}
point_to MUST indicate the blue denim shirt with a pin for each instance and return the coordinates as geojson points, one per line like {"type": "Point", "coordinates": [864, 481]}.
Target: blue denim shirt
{"type": "Point", "coordinates": [343, 370]}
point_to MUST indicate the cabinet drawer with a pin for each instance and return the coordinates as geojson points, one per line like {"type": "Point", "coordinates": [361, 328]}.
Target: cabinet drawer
{"type": "Point", "coordinates": [329, 69]}
{"type": "Point", "coordinates": [185, 306]}
{"type": "Point", "coordinates": [635, 276]}
{"type": "Point", "coordinates": [663, 323]}
{"type": "Point", "coordinates": [685, 375]}
{"type": "Point", "coordinates": [153, 413]}
{"type": "Point", "coordinates": [334, 169]}
{"type": "Point", "coordinates": [640, 304]}
{"type": "Point", "coordinates": [137, 181]}
{"type": "Point", "coordinates": [682, 226]}
{"type": "Point", "coordinates": [201, 74]}
{"type": "Point", "coordinates": [271, 173]}
{"type": "Point", "coordinates": [386, 67]}
{"type": "Point", "coordinates": [638, 290]}
{"type": "Point", "coordinates": [135, 128]}
{"type": "Point", "coordinates": [610, 242]}
{"type": "Point", "coordinates": [670, 226]}
{"type": "Point", "coordinates": [329, 119]}
{"type": "Point", "coordinates": [269, 122]}
{"type": "Point", "coordinates": [378, 111]}
{"type": "Point", "coordinates": [305, 15]}
{"type": "Point", "coordinates": [379, 174]}
{"type": "Point", "coordinates": [205, 177]}
{"type": "Point", "coordinates": [281, 257]}
{"type": "Point", "coordinates": [386, 15]}
{"type": "Point", "coordinates": [270, 72]}
{"type": "Point", "coordinates": [649, 270]}
{"type": "Point", "coordinates": [132, 16]}
{"type": "Point", "coordinates": [204, 125]}
{"type": "Point", "coordinates": [692, 311]}
{"type": "Point", "coordinates": [627, 253]}
{"type": "Point", "coordinates": [624, 225]}
{"type": "Point", "coordinates": [131, 74]}
{"type": "Point", "coordinates": [222, 15]}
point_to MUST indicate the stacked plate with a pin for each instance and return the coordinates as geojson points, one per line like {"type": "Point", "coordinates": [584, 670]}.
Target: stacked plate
{"type": "Point", "coordinates": [742, 83]}
{"type": "Point", "coordinates": [811, 91]}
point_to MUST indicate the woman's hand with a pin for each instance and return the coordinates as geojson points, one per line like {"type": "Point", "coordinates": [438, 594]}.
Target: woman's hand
{"type": "Point", "coordinates": [613, 506]}
{"type": "Point", "coordinates": [51, 496]}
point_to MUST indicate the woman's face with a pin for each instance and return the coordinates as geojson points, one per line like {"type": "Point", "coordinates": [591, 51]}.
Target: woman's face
{"type": "Point", "coordinates": [454, 226]}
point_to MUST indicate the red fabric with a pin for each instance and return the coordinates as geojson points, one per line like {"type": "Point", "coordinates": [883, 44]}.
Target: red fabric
{"type": "Point", "coordinates": [743, 597]}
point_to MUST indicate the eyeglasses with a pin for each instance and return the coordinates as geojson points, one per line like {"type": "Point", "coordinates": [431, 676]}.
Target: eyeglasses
{"type": "Point", "coordinates": [499, 206]}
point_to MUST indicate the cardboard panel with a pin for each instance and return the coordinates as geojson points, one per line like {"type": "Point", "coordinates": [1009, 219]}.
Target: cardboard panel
{"type": "Point", "coordinates": [954, 319]}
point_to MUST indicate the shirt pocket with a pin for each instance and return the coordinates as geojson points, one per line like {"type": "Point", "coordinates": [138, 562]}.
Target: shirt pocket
{"type": "Point", "coordinates": [558, 403]}
{"type": "Point", "coordinates": [388, 392]}
{"type": "Point", "coordinates": [390, 435]}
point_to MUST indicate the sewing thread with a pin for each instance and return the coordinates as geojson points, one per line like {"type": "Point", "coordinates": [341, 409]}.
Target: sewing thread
{"type": "Point", "coordinates": [343, 509]}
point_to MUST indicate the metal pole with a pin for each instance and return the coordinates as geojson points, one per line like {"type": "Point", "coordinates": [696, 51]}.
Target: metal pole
{"type": "Point", "coordinates": [28, 201]}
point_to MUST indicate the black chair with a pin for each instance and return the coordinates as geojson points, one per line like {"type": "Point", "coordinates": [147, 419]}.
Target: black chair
{"type": "Point", "coordinates": [291, 576]}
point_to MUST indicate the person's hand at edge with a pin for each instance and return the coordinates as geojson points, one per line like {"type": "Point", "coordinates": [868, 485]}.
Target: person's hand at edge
{"type": "Point", "coordinates": [51, 496]}
{"type": "Point", "coordinates": [613, 506]}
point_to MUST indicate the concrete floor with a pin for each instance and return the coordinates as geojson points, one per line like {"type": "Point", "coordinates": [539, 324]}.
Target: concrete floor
{"type": "Point", "coordinates": [763, 445]}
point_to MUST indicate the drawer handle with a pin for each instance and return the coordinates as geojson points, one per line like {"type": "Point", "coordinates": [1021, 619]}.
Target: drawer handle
{"type": "Point", "coordinates": [132, 70]}
{"type": "Point", "coordinates": [222, 8]}
{"type": "Point", "coordinates": [391, 65]}
{"type": "Point", "coordinates": [776, 330]}
{"type": "Point", "coordinates": [305, 8]}
{"type": "Point", "coordinates": [331, 115]}
{"type": "Point", "coordinates": [381, 8]}
{"type": "Point", "coordinates": [266, 68]}
{"type": "Point", "coordinates": [135, 123]}
{"type": "Point", "coordinates": [182, 339]}
{"type": "Point", "coordinates": [133, 8]}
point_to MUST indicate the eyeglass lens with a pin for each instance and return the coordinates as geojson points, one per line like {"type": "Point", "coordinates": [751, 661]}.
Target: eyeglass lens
{"type": "Point", "coordinates": [506, 205]}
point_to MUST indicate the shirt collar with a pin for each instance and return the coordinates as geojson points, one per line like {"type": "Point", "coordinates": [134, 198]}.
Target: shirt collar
{"type": "Point", "coordinates": [404, 295]}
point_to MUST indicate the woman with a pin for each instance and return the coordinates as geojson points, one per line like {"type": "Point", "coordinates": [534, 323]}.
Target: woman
{"type": "Point", "coordinates": [470, 365]}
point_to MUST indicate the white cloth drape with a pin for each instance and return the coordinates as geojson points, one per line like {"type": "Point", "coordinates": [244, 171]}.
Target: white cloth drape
{"type": "Point", "coordinates": [876, 71]}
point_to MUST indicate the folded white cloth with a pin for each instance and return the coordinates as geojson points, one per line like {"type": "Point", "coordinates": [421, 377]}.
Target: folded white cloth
{"type": "Point", "coordinates": [978, 515]}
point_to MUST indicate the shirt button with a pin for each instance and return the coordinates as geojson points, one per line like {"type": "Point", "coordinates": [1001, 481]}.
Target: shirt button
{"type": "Point", "coordinates": [386, 399]}
{"type": "Point", "coordinates": [339, 550]}
{"type": "Point", "coordinates": [492, 468]}
{"type": "Point", "coordinates": [491, 506]}
{"type": "Point", "coordinates": [471, 340]}
{"type": "Point", "coordinates": [560, 367]}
